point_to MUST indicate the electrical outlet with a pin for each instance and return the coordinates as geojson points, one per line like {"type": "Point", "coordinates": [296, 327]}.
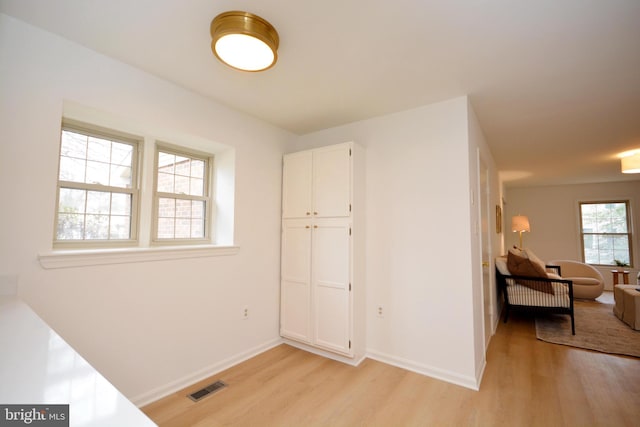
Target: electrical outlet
{"type": "Point", "coordinates": [245, 312]}
{"type": "Point", "coordinates": [380, 311]}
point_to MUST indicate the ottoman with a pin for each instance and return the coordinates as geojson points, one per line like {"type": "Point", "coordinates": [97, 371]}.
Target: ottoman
{"type": "Point", "coordinates": [627, 306]}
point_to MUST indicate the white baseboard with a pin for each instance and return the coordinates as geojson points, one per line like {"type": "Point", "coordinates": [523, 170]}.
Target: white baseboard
{"type": "Point", "coordinates": [165, 390]}
{"type": "Point", "coordinates": [440, 374]}
{"type": "Point", "coordinates": [429, 371]}
{"type": "Point", "coordinates": [323, 353]}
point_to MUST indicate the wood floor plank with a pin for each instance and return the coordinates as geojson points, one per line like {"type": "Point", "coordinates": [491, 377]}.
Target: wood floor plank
{"type": "Point", "coordinates": [526, 383]}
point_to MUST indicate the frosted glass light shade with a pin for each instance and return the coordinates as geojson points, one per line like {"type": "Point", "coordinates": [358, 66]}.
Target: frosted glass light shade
{"type": "Point", "coordinates": [630, 164]}
{"type": "Point", "coordinates": [244, 52]}
{"type": "Point", "coordinates": [244, 41]}
{"type": "Point", "coordinates": [520, 223]}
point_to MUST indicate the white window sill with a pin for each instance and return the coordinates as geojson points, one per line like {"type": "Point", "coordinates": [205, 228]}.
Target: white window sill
{"type": "Point", "coordinates": [84, 258]}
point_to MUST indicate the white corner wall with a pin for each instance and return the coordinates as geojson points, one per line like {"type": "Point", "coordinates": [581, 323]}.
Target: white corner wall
{"type": "Point", "coordinates": [148, 327]}
{"type": "Point", "coordinates": [479, 152]}
{"type": "Point", "coordinates": [419, 246]}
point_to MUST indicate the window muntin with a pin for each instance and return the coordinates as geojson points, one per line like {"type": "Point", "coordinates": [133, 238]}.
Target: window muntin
{"type": "Point", "coordinates": [606, 232]}
{"type": "Point", "coordinates": [182, 199]}
{"type": "Point", "coordinates": [97, 188]}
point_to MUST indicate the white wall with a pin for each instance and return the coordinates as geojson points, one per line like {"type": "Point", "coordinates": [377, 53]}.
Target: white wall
{"type": "Point", "coordinates": [419, 245]}
{"type": "Point", "coordinates": [147, 326]}
{"type": "Point", "coordinates": [555, 221]}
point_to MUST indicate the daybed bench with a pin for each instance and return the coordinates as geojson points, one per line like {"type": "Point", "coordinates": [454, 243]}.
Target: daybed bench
{"type": "Point", "coordinates": [551, 294]}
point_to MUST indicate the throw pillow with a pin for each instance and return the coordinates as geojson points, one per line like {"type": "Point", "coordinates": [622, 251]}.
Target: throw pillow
{"type": "Point", "coordinates": [523, 266]}
{"type": "Point", "coordinates": [537, 263]}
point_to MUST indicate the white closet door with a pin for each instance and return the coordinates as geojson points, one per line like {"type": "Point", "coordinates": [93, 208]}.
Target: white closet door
{"type": "Point", "coordinates": [295, 305]}
{"type": "Point", "coordinates": [330, 284]}
{"type": "Point", "coordinates": [296, 185]}
{"type": "Point", "coordinates": [332, 181]}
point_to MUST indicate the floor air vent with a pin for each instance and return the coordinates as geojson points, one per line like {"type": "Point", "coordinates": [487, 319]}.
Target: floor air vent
{"type": "Point", "coordinates": [212, 388]}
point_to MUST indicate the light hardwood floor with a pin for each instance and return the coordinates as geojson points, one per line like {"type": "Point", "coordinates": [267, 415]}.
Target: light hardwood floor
{"type": "Point", "coordinates": [526, 383]}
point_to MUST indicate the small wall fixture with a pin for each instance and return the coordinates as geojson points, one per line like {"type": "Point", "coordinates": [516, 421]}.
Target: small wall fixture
{"type": "Point", "coordinates": [244, 41]}
{"type": "Point", "coordinates": [520, 224]}
{"type": "Point", "coordinates": [631, 163]}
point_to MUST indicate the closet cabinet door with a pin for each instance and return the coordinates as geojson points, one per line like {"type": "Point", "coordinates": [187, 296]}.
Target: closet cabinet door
{"type": "Point", "coordinates": [331, 183]}
{"type": "Point", "coordinates": [330, 281]}
{"type": "Point", "coordinates": [295, 307]}
{"type": "Point", "coordinates": [296, 185]}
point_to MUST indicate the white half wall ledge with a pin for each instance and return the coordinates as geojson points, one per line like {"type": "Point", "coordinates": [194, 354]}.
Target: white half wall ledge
{"type": "Point", "coordinates": [429, 371]}
{"type": "Point", "coordinates": [85, 258]}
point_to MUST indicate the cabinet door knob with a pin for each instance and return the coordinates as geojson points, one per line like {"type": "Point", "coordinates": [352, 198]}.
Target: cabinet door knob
{"type": "Point", "coordinates": [306, 226]}
{"type": "Point", "coordinates": [315, 213]}
{"type": "Point", "coordinates": [315, 226]}
{"type": "Point", "coordinates": [308, 213]}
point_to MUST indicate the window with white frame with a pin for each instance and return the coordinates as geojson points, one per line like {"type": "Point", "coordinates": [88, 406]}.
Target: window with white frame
{"type": "Point", "coordinates": [97, 193]}
{"type": "Point", "coordinates": [605, 230]}
{"type": "Point", "coordinates": [182, 196]}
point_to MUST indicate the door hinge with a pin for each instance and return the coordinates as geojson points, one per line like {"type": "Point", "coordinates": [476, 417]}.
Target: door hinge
{"type": "Point", "coordinates": [349, 207]}
{"type": "Point", "coordinates": [349, 231]}
{"type": "Point", "coordinates": [349, 152]}
{"type": "Point", "coordinates": [349, 343]}
{"type": "Point", "coordinates": [349, 287]}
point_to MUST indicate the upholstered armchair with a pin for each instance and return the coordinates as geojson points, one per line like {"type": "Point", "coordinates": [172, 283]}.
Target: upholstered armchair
{"type": "Point", "coordinates": [588, 282]}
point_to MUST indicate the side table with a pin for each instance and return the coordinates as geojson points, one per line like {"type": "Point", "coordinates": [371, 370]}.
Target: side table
{"type": "Point", "coordinates": [616, 276]}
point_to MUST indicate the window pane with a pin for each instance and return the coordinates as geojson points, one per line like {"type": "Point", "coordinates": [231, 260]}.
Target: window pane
{"type": "Point", "coordinates": [621, 249]}
{"type": "Point", "coordinates": [70, 226]}
{"type": "Point", "coordinates": [197, 168]}
{"type": "Point", "coordinates": [197, 187]}
{"type": "Point", "coordinates": [183, 166]}
{"type": "Point", "coordinates": [71, 200]}
{"type": "Point", "coordinates": [197, 228]}
{"type": "Point", "coordinates": [72, 169]}
{"type": "Point", "coordinates": [120, 176]}
{"type": "Point", "coordinates": [97, 227]}
{"type": "Point", "coordinates": [183, 208]}
{"type": "Point", "coordinates": [97, 173]}
{"type": "Point", "coordinates": [73, 145]}
{"type": "Point", "coordinates": [120, 204]}
{"type": "Point", "coordinates": [166, 162]}
{"type": "Point", "coordinates": [165, 183]}
{"type": "Point", "coordinates": [197, 209]}
{"type": "Point", "coordinates": [183, 228]}
{"type": "Point", "coordinates": [182, 185]}
{"type": "Point", "coordinates": [99, 150]}
{"type": "Point", "coordinates": [120, 227]}
{"type": "Point", "coordinates": [121, 154]}
{"type": "Point", "coordinates": [98, 202]}
{"type": "Point", "coordinates": [165, 228]}
{"type": "Point", "coordinates": [166, 208]}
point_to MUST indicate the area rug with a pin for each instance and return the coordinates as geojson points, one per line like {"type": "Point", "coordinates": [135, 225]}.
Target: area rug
{"type": "Point", "coordinates": [597, 328]}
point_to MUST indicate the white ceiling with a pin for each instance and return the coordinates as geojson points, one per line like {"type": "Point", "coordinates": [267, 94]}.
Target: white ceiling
{"type": "Point", "coordinates": [555, 84]}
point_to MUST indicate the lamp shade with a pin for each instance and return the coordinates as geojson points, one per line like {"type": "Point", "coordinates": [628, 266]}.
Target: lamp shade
{"type": "Point", "coordinates": [520, 223]}
{"type": "Point", "coordinates": [244, 41]}
{"type": "Point", "coordinates": [630, 164]}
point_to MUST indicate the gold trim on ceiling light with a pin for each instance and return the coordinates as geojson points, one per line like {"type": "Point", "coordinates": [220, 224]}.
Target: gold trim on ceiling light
{"type": "Point", "coordinates": [247, 29]}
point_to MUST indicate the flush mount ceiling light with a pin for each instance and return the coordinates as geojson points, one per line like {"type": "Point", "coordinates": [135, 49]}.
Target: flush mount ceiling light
{"type": "Point", "coordinates": [244, 41]}
{"type": "Point", "coordinates": [631, 162]}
